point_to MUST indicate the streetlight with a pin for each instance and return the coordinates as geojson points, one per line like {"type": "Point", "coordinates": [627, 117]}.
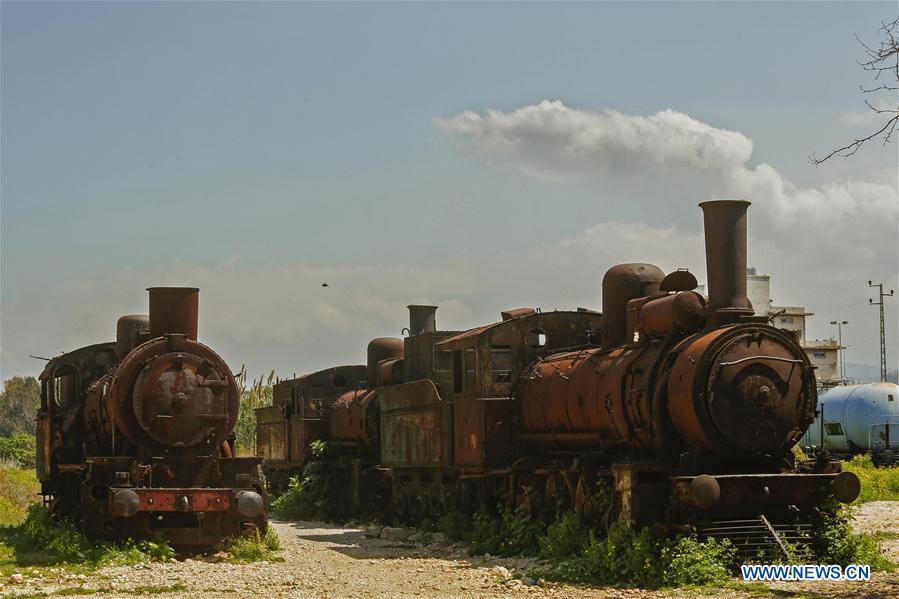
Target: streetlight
{"type": "Point", "coordinates": [840, 324]}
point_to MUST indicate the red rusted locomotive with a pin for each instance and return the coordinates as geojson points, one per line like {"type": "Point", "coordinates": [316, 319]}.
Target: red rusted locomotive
{"type": "Point", "coordinates": [135, 436]}
{"type": "Point", "coordinates": [684, 411]}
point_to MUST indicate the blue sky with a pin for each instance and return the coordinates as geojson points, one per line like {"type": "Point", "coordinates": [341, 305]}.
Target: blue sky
{"type": "Point", "coordinates": [254, 148]}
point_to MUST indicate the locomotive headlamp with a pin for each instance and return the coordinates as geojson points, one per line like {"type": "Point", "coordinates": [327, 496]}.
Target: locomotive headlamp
{"type": "Point", "coordinates": [705, 491]}
{"type": "Point", "coordinates": [250, 504]}
{"type": "Point", "coordinates": [125, 503]}
{"type": "Point", "coordinates": [846, 487]}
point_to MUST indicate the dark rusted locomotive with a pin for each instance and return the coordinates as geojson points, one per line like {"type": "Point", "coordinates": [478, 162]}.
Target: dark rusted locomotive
{"type": "Point", "coordinates": [682, 411]}
{"type": "Point", "coordinates": [135, 436]}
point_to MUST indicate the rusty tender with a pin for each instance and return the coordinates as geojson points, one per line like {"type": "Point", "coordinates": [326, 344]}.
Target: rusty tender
{"type": "Point", "coordinates": [135, 437]}
{"type": "Point", "coordinates": [683, 410]}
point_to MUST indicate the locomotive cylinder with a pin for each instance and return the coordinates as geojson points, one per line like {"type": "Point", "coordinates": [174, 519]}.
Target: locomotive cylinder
{"type": "Point", "coordinates": [174, 310]}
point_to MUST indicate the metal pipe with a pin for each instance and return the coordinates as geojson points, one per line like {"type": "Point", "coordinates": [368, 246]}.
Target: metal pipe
{"type": "Point", "coordinates": [725, 256]}
{"type": "Point", "coordinates": [422, 319]}
{"type": "Point", "coordinates": [174, 310]}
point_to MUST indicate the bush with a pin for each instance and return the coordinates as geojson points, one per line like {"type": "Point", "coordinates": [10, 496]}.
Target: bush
{"type": "Point", "coordinates": [564, 537]}
{"type": "Point", "coordinates": [691, 562]}
{"type": "Point", "coordinates": [313, 495]}
{"type": "Point", "coordinates": [255, 548]}
{"type": "Point", "coordinates": [629, 557]}
{"type": "Point", "coordinates": [511, 532]}
{"type": "Point", "coordinates": [18, 450]}
{"type": "Point", "coordinates": [838, 544]}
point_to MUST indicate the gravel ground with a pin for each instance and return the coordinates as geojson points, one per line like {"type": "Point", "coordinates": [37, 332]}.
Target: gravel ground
{"type": "Point", "coordinates": [330, 561]}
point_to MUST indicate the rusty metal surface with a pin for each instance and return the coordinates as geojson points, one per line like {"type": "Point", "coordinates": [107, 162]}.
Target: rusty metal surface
{"type": "Point", "coordinates": [422, 319]}
{"type": "Point", "coordinates": [271, 434]}
{"type": "Point", "coordinates": [379, 349]}
{"type": "Point", "coordinates": [725, 251]}
{"type": "Point", "coordinates": [742, 390]}
{"type": "Point", "coordinates": [681, 312]}
{"type": "Point", "coordinates": [414, 427]}
{"type": "Point", "coordinates": [174, 310]}
{"type": "Point", "coordinates": [173, 392]}
{"type": "Point", "coordinates": [181, 500]}
{"type": "Point", "coordinates": [516, 312]}
{"type": "Point", "coordinates": [621, 284]}
{"type": "Point", "coordinates": [391, 372]}
{"type": "Point", "coordinates": [127, 329]}
{"type": "Point", "coordinates": [353, 419]}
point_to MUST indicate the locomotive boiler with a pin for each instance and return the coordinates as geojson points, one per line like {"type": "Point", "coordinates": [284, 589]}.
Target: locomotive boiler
{"type": "Point", "coordinates": [135, 436]}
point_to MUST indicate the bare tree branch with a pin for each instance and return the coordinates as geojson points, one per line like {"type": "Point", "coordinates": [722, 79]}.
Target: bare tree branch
{"type": "Point", "coordinates": [882, 61]}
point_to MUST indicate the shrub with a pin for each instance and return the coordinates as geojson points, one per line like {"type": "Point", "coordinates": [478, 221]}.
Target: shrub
{"type": "Point", "coordinates": [692, 562]}
{"type": "Point", "coordinates": [564, 537]}
{"type": "Point", "coordinates": [629, 557]}
{"type": "Point", "coordinates": [255, 548]}
{"type": "Point", "coordinates": [511, 532]}
{"type": "Point", "coordinates": [838, 544]}
{"type": "Point", "coordinates": [18, 450]}
{"type": "Point", "coordinates": [313, 495]}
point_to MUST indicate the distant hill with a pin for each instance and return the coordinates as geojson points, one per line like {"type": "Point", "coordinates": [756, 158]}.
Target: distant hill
{"type": "Point", "coordinates": [868, 373]}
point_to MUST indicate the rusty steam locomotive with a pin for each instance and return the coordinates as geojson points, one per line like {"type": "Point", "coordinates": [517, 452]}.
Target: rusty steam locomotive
{"type": "Point", "coordinates": [683, 410]}
{"type": "Point", "coordinates": [135, 436]}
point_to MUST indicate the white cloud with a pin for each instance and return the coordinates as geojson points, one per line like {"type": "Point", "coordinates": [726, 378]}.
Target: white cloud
{"type": "Point", "coordinates": [554, 141]}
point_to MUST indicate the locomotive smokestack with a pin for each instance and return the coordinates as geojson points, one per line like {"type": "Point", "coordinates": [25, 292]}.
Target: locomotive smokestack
{"type": "Point", "coordinates": [725, 256]}
{"type": "Point", "coordinates": [422, 319]}
{"type": "Point", "coordinates": [174, 310]}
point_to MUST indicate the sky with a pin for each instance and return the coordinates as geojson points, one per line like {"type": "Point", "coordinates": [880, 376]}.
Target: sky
{"type": "Point", "coordinates": [478, 157]}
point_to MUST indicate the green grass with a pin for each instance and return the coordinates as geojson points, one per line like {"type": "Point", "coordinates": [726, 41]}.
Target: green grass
{"type": "Point", "coordinates": [878, 484]}
{"type": "Point", "coordinates": [40, 540]}
{"type": "Point", "coordinates": [18, 489]}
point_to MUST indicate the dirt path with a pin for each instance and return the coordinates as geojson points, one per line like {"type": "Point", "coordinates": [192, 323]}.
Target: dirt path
{"type": "Point", "coordinates": [330, 561]}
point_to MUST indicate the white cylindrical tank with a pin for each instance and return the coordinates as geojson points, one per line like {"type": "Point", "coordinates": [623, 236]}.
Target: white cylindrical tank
{"type": "Point", "coordinates": [857, 418]}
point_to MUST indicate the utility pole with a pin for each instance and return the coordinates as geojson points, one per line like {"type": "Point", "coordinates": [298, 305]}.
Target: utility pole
{"type": "Point", "coordinates": [883, 339]}
{"type": "Point", "coordinates": [840, 353]}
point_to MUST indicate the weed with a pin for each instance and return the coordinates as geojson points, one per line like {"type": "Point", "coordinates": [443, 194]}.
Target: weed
{"type": "Point", "coordinates": [311, 495]}
{"type": "Point", "coordinates": [255, 548]}
{"type": "Point", "coordinates": [564, 537]}
{"type": "Point", "coordinates": [878, 484]}
{"type": "Point", "coordinates": [511, 532]}
{"type": "Point", "coordinates": [837, 544]}
{"type": "Point", "coordinates": [42, 540]}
